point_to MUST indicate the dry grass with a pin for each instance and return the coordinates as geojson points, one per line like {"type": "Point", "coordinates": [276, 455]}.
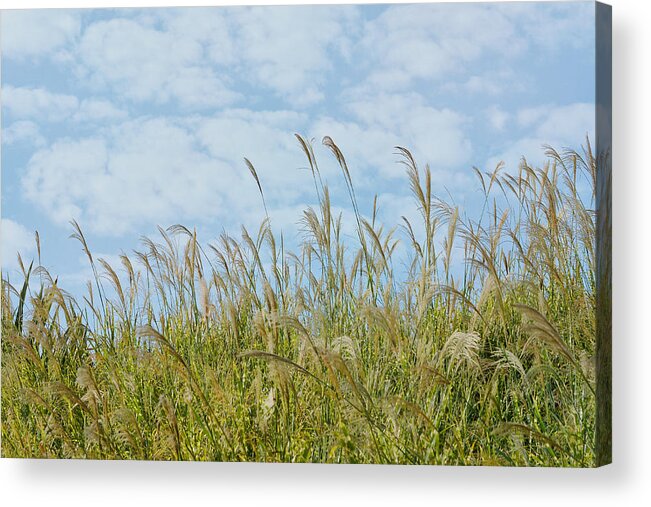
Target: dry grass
{"type": "Point", "coordinates": [247, 351]}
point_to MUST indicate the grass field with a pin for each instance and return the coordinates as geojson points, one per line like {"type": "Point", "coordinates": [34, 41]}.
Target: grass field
{"type": "Point", "coordinates": [334, 352]}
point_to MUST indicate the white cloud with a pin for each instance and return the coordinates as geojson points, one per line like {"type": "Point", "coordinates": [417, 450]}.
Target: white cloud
{"type": "Point", "coordinates": [40, 104]}
{"type": "Point", "coordinates": [449, 43]}
{"type": "Point", "coordinates": [566, 123]}
{"type": "Point", "coordinates": [161, 171]}
{"type": "Point", "coordinates": [292, 49]}
{"type": "Point", "coordinates": [144, 63]}
{"type": "Point", "coordinates": [527, 116]}
{"type": "Point", "coordinates": [435, 41]}
{"type": "Point", "coordinates": [150, 171]}
{"type": "Point", "coordinates": [558, 126]}
{"type": "Point", "coordinates": [37, 103]}
{"type": "Point", "coordinates": [67, 173]}
{"type": "Point", "coordinates": [36, 32]}
{"type": "Point", "coordinates": [193, 55]}
{"type": "Point", "coordinates": [208, 27]}
{"type": "Point", "coordinates": [553, 25]}
{"type": "Point", "coordinates": [15, 239]}
{"type": "Point", "coordinates": [436, 136]}
{"type": "Point", "coordinates": [22, 131]}
{"type": "Point", "coordinates": [144, 171]}
{"type": "Point", "coordinates": [265, 137]}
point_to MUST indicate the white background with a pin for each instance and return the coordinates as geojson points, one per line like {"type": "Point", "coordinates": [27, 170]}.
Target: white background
{"type": "Point", "coordinates": [626, 482]}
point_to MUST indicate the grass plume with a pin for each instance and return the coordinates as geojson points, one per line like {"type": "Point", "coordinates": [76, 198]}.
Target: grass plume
{"type": "Point", "coordinates": [246, 351]}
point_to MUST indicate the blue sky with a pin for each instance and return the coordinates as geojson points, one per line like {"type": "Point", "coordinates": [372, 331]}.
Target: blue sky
{"type": "Point", "coordinates": [129, 119]}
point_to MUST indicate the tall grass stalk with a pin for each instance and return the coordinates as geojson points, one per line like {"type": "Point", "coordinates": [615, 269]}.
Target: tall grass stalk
{"type": "Point", "coordinates": [247, 351]}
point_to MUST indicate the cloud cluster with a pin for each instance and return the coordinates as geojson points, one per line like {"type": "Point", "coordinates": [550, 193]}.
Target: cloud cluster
{"type": "Point", "coordinates": [191, 56]}
{"type": "Point", "coordinates": [194, 56]}
{"type": "Point", "coordinates": [162, 170]}
{"type": "Point", "coordinates": [166, 103]}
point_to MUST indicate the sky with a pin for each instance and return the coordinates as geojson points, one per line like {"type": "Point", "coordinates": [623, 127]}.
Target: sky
{"type": "Point", "coordinates": [127, 119]}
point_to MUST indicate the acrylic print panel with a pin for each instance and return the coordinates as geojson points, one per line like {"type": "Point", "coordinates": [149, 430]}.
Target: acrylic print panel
{"type": "Point", "coordinates": [331, 234]}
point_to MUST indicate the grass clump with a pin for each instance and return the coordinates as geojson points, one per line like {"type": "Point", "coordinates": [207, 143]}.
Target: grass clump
{"type": "Point", "coordinates": [244, 351]}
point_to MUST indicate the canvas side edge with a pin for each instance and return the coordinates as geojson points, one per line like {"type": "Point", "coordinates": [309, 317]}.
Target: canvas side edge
{"type": "Point", "coordinates": [603, 153]}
